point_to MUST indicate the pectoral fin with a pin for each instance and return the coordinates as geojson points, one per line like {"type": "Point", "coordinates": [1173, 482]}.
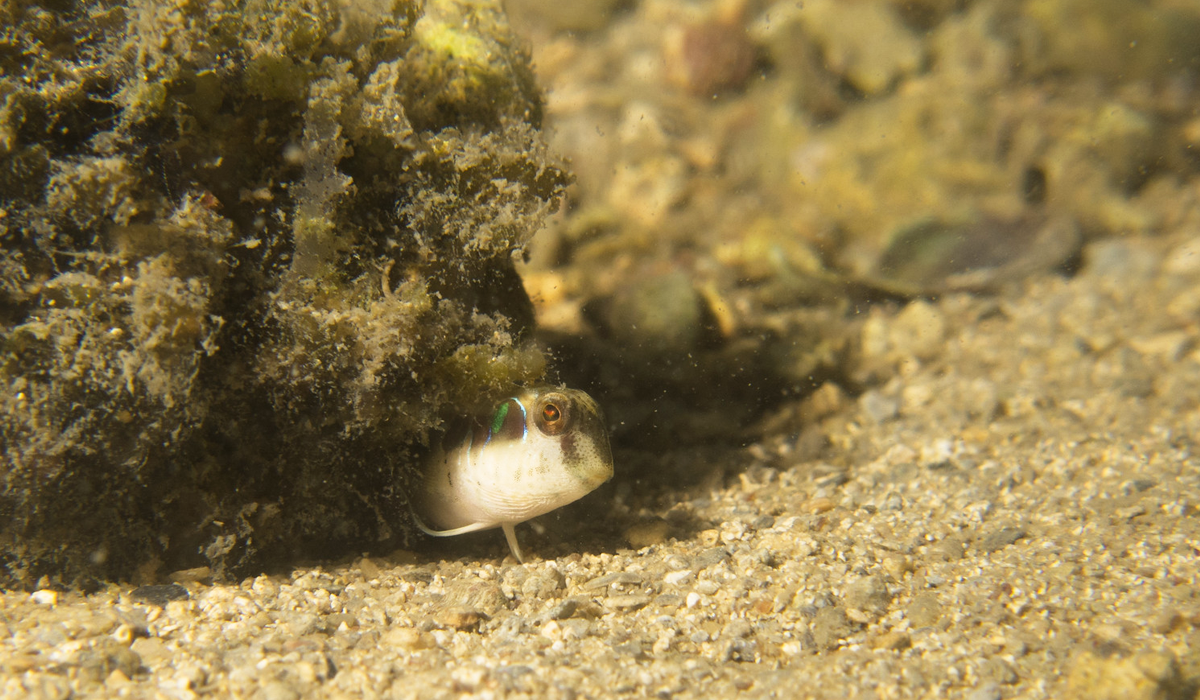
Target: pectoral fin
{"type": "Point", "coordinates": [510, 534]}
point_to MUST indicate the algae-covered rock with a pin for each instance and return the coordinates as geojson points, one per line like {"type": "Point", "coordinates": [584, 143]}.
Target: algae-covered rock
{"type": "Point", "coordinates": [253, 254]}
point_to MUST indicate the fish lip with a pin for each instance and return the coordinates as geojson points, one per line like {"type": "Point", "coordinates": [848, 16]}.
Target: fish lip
{"type": "Point", "coordinates": [608, 476]}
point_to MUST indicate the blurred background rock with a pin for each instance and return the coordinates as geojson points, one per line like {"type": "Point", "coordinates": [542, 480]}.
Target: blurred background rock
{"type": "Point", "coordinates": [754, 177]}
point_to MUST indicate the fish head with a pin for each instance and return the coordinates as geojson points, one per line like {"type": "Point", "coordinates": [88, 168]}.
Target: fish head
{"type": "Point", "coordinates": [544, 448]}
{"type": "Point", "coordinates": [569, 437]}
{"type": "Point", "coordinates": [538, 450]}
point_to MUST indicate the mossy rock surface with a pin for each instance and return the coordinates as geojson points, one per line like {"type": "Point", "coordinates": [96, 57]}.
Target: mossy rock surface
{"type": "Point", "coordinates": [254, 254]}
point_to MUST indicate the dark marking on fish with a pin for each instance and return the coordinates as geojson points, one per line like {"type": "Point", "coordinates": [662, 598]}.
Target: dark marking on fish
{"type": "Point", "coordinates": [569, 449]}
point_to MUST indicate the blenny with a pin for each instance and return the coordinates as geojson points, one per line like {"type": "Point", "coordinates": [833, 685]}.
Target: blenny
{"type": "Point", "coordinates": [539, 450]}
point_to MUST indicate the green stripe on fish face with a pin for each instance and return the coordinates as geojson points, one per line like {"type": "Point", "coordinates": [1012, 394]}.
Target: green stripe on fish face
{"type": "Point", "coordinates": [508, 422]}
{"type": "Point", "coordinates": [498, 419]}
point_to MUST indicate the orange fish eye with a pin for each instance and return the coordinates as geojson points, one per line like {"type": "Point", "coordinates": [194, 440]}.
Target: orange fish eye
{"type": "Point", "coordinates": [552, 414]}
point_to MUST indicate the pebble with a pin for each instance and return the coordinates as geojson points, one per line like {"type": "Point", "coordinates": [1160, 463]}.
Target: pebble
{"type": "Point", "coordinates": [627, 601]}
{"type": "Point", "coordinates": [1183, 259]}
{"type": "Point", "coordinates": [552, 631]}
{"type": "Point", "coordinates": [617, 579]}
{"type": "Point", "coordinates": [44, 686]}
{"type": "Point", "coordinates": [562, 610]}
{"type": "Point", "coordinates": [460, 618]}
{"type": "Point", "coordinates": [300, 624]}
{"type": "Point", "coordinates": [192, 675]}
{"type": "Point", "coordinates": [893, 641]}
{"type": "Point", "coordinates": [44, 597]}
{"type": "Point", "coordinates": [710, 557]}
{"type": "Point", "coordinates": [763, 522]}
{"type": "Point", "coordinates": [896, 565]}
{"type": "Point", "coordinates": [1167, 621]}
{"type": "Point", "coordinates": [406, 638]}
{"type": "Point", "coordinates": [1001, 538]}
{"type": "Point", "coordinates": [116, 681]}
{"type": "Point", "coordinates": [647, 533]}
{"type": "Point", "coordinates": [486, 597]}
{"type": "Point", "coordinates": [543, 583]}
{"type": "Point", "coordinates": [676, 578]}
{"type": "Point", "coordinates": [830, 626]}
{"type": "Point", "coordinates": [987, 691]}
{"type": "Point", "coordinates": [997, 671]}
{"type": "Point", "coordinates": [869, 595]}
{"type": "Point", "coordinates": [369, 568]}
{"type": "Point", "coordinates": [924, 610]}
{"type": "Point", "coordinates": [277, 690]}
{"type": "Point", "coordinates": [195, 575]}
{"type": "Point", "coordinates": [575, 628]}
{"type": "Point", "coordinates": [1145, 676]}
{"type": "Point", "coordinates": [878, 408]}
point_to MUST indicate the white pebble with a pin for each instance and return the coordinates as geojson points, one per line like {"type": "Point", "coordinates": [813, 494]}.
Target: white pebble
{"type": "Point", "coordinates": [791, 648]}
{"type": "Point", "coordinates": [45, 597]}
{"type": "Point", "coordinates": [677, 577]}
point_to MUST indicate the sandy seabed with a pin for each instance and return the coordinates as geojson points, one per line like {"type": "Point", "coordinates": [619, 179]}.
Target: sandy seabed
{"type": "Point", "coordinates": [1014, 515]}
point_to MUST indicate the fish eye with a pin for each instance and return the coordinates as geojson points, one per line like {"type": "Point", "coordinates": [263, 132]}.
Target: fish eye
{"type": "Point", "coordinates": [553, 414]}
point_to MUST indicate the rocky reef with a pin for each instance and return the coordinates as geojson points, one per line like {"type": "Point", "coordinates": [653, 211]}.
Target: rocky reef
{"type": "Point", "coordinates": [253, 254]}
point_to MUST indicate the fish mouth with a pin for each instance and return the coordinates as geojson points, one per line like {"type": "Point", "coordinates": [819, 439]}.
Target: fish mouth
{"type": "Point", "coordinates": [600, 478]}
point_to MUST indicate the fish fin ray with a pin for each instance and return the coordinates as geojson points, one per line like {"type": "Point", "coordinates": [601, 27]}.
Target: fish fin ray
{"type": "Point", "coordinates": [473, 527]}
{"type": "Point", "coordinates": [510, 534]}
